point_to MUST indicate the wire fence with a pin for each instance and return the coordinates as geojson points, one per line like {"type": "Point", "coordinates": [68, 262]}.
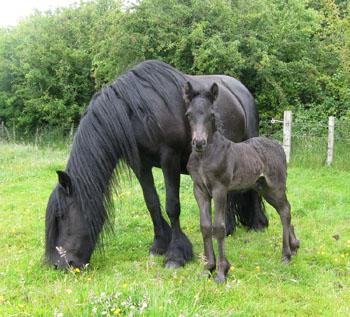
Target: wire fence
{"type": "Point", "coordinates": [309, 140]}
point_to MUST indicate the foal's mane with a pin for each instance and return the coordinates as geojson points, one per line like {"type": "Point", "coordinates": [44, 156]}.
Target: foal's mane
{"type": "Point", "coordinates": [105, 144]}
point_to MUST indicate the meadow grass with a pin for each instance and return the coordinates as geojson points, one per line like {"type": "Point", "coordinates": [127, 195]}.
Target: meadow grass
{"type": "Point", "coordinates": [124, 280]}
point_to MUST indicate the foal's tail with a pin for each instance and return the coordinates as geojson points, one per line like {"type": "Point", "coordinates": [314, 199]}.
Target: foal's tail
{"type": "Point", "coordinates": [247, 208]}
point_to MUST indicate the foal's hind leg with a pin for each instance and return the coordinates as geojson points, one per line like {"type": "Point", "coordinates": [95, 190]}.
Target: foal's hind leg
{"type": "Point", "coordinates": [278, 199]}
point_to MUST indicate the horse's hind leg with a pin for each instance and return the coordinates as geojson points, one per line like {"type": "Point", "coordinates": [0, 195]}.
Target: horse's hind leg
{"type": "Point", "coordinates": [278, 199]}
{"type": "Point", "coordinates": [162, 231]}
{"type": "Point", "coordinates": [180, 248]}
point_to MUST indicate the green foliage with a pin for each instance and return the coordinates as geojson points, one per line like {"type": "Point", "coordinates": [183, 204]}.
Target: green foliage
{"type": "Point", "coordinates": [290, 54]}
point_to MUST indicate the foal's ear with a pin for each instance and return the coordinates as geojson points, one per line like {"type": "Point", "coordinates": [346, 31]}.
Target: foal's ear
{"type": "Point", "coordinates": [214, 91]}
{"type": "Point", "coordinates": [188, 92]}
{"type": "Point", "coordinates": [66, 182]}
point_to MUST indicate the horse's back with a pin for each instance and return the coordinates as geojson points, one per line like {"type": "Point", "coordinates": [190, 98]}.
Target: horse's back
{"type": "Point", "coordinates": [242, 98]}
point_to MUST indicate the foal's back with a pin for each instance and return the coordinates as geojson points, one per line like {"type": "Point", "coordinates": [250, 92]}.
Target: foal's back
{"type": "Point", "coordinates": [239, 166]}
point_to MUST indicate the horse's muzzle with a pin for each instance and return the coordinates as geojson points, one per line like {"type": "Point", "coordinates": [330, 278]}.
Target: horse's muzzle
{"type": "Point", "coordinates": [199, 145]}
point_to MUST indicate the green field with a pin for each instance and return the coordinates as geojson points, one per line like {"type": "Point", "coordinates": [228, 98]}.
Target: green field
{"type": "Point", "coordinates": [124, 280]}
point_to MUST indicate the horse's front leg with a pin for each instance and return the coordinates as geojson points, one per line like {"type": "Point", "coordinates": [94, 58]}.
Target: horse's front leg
{"type": "Point", "coordinates": [204, 204]}
{"type": "Point", "coordinates": [162, 231]}
{"type": "Point", "coordinates": [180, 248]}
{"type": "Point", "coordinates": [219, 231]}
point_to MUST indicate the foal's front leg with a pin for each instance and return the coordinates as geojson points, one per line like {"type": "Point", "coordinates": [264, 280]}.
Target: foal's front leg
{"type": "Point", "coordinates": [204, 203]}
{"type": "Point", "coordinates": [219, 195]}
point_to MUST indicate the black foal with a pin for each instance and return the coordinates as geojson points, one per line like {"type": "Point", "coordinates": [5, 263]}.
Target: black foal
{"type": "Point", "coordinates": [218, 165]}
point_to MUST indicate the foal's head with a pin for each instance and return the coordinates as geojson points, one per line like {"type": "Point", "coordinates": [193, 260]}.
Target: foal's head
{"type": "Point", "coordinates": [201, 115]}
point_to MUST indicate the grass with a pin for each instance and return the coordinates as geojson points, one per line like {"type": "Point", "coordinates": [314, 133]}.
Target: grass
{"type": "Point", "coordinates": [124, 280]}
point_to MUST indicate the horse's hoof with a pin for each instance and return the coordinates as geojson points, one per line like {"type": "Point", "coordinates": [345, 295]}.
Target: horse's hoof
{"type": "Point", "coordinates": [205, 275]}
{"type": "Point", "coordinates": [153, 254]}
{"type": "Point", "coordinates": [172, 265]}
{"type": "Point", "coordinates": [220, 279]}
{"type": "Point", "coordinates": [156, 250]}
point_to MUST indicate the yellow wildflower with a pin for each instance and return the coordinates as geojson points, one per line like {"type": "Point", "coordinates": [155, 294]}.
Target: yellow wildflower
{"type": "Point", "coordinates": [117, 311]}
{"type": "Point", "coordinates": [209, 281]}
{"type": "Point", "coordinates": [125, 285]}
{"type": "Point", "coordinates": [77, 270]}
{"type": "Point", "coordinates": [160, 307]}
{"type": "Point", "coordinates": [232, 268]}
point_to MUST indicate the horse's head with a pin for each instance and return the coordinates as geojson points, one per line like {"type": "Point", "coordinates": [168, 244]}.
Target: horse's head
{"type": "Point", "coordinates": [201, 115]}
{"type": "Point", "coordinates": [68, 242]}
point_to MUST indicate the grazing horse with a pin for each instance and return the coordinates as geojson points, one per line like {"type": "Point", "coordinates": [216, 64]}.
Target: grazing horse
{"type": "Point", "coordinates": [138, 122]}
{"type": "Point", "coordinates": [218, 165]}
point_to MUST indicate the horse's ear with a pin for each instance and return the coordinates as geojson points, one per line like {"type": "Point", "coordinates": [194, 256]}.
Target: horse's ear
{"type": "Point", "coordinates": [66, 182]}
{"type": "Point", "coordinates": [188, 92]}
{"type": "Point", "coordinates": [214, 91]}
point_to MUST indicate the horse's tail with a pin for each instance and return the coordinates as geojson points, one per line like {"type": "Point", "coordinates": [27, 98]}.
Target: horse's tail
{"type": "Point", "coordinates": [248, 208]}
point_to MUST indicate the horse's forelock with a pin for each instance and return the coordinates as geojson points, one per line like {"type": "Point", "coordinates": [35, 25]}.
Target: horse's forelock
{"type": "Point", "coordinates": [52, 211]}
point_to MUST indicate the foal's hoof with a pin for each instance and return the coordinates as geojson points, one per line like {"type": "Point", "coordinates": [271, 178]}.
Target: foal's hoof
{"type": "Point", "coordinates": [172, 265]}
{"type": "Point", "coordinates": [285, 260]}
{"type": "Point", "coordinates": [295, 247]}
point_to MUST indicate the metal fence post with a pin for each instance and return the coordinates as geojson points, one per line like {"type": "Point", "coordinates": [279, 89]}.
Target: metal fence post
{"type": "Point", "coordinates": [287, 133]}
{"type": "Point", "coordinates": [330, 140]}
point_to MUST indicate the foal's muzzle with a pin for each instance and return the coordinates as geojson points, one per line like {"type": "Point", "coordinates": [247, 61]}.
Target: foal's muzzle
{"type": "Point", "coordinates": [199, 145]}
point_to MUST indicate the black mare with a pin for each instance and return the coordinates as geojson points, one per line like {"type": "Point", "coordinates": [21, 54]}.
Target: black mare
{"type": "Point", "coordinates": [138, 122]}
{"type": "Point", "coordinates": [218, 166]}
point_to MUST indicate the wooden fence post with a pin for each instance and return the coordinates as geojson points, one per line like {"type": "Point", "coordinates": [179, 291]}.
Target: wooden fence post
{"type": "Point", "coordinates": [330, 140]}
{"type": "Point", "coordinates": [14, 131]}
{"type": "Point", "coordinates": [71, 133]}
{"type": "Point", "coordinates": [36, 137]}
{"type": "Point", "coordinates": [287, 133]}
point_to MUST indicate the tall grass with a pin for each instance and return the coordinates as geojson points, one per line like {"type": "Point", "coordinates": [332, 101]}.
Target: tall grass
{"type": "Point", "coordinates": [124, 280]}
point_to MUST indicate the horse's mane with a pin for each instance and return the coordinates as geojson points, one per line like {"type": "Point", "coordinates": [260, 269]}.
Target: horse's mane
{"type": "Point", "coordinates": [105, 142]}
